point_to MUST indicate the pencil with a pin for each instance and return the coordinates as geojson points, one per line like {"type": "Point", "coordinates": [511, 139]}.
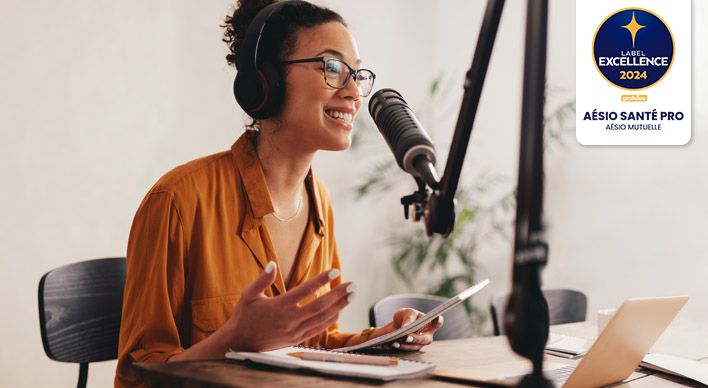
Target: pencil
{"type": "Point", "coordinates": [346, 358]}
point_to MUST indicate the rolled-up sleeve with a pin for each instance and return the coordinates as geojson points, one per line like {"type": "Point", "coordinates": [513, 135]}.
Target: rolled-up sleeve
{"type": "Point", "coordinates": [154, 291]}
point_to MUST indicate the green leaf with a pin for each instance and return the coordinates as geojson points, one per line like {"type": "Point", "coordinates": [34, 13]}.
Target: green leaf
{"type": "Point", "coordinates": [382, 176]}
{"type": "Point", "coordinates": [434, 86]}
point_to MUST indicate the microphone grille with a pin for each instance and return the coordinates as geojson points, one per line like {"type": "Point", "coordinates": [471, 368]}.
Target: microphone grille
{"type": "Point", "coordinates": [382, 98]}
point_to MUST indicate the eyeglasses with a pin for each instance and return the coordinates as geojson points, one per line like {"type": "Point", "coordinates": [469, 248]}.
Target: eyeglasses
{"type": "Point", "coordinates": [337, 74]}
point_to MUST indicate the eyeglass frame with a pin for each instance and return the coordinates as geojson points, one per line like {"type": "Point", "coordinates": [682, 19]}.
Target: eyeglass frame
{"type": "Point", "coordinates": [323, 60]}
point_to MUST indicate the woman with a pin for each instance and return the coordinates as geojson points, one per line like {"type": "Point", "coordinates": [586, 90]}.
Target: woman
{"type": "Point", "coordinates": [236, 250]}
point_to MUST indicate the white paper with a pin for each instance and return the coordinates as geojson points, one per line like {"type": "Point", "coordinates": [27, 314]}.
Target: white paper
{"type": "Point", "coordinates": [405, 369]}
{"type": "Point", "coordinates": [679, 366]}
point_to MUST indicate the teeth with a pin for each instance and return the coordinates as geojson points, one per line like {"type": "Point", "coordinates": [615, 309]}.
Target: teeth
{"type": "Point", "coordinates": [345, 117]}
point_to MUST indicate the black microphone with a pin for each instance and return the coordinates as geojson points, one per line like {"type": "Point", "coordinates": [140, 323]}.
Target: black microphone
{"type": "Point", "coordinates": [410, 144]}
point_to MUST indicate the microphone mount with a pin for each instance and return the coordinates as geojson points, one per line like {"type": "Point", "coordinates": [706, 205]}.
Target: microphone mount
{"type": "Point", "coordinates": [426, 203]}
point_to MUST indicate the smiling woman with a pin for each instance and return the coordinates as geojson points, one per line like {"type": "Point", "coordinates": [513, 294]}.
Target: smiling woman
{"type": "Point", "coordinates": [236, 250]}
{"type": "Point", "coordinates": [313, 106]}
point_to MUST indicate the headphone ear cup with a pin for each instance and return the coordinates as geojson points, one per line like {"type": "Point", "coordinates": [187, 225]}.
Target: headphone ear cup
{"type": "Point", "coordinates": [274, 89]}
{"type": "Point", "coordinates": [261, 94]}
{"type": "Point", "coordinates": [249, 91]}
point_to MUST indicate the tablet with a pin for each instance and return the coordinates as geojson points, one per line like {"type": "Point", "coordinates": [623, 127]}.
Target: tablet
{"type": "Point", "coordinates": [420, 322]}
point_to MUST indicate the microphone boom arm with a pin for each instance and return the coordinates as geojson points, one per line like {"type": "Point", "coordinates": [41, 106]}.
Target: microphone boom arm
{"type": "Point", "coordinates": [438, 208]}
{"type": "Point", "coordinates": [474, 82]}
{"type": "Point", "coordinates": [526, 317]}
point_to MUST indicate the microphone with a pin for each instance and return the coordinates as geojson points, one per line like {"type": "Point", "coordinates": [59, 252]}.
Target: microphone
{"type": "Point", "coordinates": [405, 136]}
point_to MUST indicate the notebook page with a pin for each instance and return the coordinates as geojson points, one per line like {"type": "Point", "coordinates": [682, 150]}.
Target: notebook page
{"type": "Point", "coordinates": [405, 369]}
{"type": "Point", "coordinates": [567, 346]}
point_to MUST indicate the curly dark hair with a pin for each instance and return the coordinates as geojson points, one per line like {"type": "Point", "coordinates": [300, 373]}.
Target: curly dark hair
{"type": "Point", "coordinates": [280, 35]}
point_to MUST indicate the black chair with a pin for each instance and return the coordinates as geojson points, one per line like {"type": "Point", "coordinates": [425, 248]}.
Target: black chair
{"type": "Point", "coordinates": [80, 306]}
{"type": "Point", "coordinates": [564, 306]}
{"type": "Point", "coordinates": [456, 323]}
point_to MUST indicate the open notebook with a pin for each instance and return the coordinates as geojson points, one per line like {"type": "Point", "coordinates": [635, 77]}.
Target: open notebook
{"type": "Point", "coordinates": [405, 369]}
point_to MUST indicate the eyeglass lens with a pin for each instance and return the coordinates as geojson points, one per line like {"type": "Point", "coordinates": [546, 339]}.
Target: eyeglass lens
{"type": "Point", "coordinates": [337, 74]}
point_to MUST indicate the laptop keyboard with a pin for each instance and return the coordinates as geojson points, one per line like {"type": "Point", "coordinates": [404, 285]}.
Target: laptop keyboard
{"type": "Point", "coordinates": [561, 375]}
{"type": "Point", "coordinates": [558, 376]}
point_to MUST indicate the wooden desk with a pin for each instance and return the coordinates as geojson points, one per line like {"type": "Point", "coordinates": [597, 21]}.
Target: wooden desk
{"type": "Point", "coordinates": [683, 338]}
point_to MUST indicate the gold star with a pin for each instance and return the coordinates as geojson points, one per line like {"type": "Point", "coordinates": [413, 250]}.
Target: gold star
{"type": "Point", "coordinates": [633, 27]}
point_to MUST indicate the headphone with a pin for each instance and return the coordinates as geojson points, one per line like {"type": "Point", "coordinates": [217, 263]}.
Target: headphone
{"type": "Point", "coordinates": [259, 87]}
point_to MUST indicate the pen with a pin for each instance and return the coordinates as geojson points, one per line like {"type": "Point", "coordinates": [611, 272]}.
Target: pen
{"type": "Point", "coordinates": [347, 358]}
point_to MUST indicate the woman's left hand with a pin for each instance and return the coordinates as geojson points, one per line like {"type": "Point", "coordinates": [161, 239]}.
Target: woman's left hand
{"type": "Point", "coordinates": [414, 341]}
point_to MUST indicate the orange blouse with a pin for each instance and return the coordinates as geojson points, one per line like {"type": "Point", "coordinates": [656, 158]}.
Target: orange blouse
{"type": "Point", "coordinates": [197, 240]}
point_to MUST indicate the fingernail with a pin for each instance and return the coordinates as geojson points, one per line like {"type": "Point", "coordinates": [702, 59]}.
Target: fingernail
{"type": "Point", "coordinates": [351, 297]}
{"type": "Point", "coordinates": [269, 268]}
{"type": "Point", "coordinates": [409, 339]}
{"type": "Point", "coordinates": [441, 319]}
{"type": "Point", "coordinates": [333, 274]}
{"type": "Point", "coordinates": [352, 287]}
{"type": "Point", "coordinates": [396, 345]}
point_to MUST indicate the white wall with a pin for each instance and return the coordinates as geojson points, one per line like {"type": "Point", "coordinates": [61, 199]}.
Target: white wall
{"type": "Point", "coordinates": [100, 98]}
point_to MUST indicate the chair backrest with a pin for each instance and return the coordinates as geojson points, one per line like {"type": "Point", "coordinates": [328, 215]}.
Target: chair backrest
{"type": "Point", "coordinates": [564, 306]}
{"type": "Point", "coordinates": [80, 308]}
{"type": "Point", "coordinates": [456, 323]}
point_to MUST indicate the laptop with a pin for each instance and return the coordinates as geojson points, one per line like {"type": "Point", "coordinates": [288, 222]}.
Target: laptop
{"type": "Point", "coordinates": [612, 358]}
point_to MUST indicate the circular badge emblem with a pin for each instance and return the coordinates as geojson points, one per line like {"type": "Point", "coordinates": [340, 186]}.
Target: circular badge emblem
{"type": "Point", "coordinates": [633, 49]}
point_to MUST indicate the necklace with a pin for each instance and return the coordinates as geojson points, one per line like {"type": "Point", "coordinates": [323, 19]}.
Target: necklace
{"type": "Point", "coordinates": [297, 211]}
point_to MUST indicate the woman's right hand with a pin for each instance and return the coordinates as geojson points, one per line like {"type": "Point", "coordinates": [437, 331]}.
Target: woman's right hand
{"type": "Point", "coordinates": [260, 322]}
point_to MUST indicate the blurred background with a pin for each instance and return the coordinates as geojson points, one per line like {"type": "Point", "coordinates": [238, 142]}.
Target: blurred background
{"type": "Point", "coordinates": [99, 98]}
